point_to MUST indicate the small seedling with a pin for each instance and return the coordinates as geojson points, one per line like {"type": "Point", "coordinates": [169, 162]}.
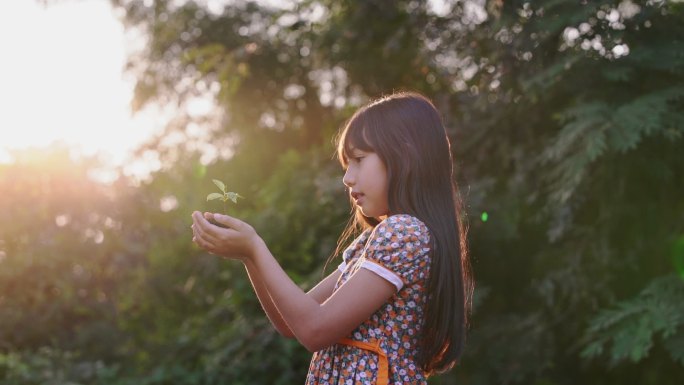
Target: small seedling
{"type": "Point", "coordinates": [224, 195]}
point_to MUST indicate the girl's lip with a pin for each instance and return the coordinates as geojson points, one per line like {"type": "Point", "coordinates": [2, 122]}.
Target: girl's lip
{"type": "Point", "coordinates": [356, 196]}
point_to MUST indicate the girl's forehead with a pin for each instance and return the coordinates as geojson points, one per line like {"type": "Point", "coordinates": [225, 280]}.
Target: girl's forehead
{"type": "Point", "coordinates": [348, 145]}
{"type": "Point", "coordinates": [356, 141]}
{"type": "Point", "coordinates": [355, 150]}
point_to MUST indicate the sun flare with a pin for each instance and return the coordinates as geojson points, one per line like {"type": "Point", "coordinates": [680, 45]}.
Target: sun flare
{"type": "Point", "coordinates": [64, 80]}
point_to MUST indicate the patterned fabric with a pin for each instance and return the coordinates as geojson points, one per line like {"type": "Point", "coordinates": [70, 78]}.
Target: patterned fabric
{"type": "Point", "coordinates": [399, 244]}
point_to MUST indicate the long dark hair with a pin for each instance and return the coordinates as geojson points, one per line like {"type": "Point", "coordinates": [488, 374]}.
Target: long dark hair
{"type": "Point", "coordinates": [407, 133]}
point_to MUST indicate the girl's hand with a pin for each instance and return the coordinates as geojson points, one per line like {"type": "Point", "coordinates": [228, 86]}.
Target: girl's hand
{"type": "Point", "coordinates": [237, 241]}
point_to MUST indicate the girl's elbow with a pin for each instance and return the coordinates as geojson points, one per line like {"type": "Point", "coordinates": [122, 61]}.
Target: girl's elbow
{"type": "Point", "coordinates": [313, 333]}
{"type": "Point", "coordinates": [314, 340]}
{"type": "Point", "coordinates": [312, 346]}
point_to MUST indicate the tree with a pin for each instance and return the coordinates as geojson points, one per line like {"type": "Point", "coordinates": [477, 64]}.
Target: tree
{"type": "Point", "coordinates": [566, 124]}
{"type": "Point", "coordinates": [528, 91]}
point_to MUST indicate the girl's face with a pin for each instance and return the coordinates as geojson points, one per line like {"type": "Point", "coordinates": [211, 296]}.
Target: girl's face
{"type": "Point", "coordinates": [366, 177]}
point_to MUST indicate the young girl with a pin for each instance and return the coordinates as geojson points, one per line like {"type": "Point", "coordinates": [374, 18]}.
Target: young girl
{"type": "Point", "coordinates": [395, 310]}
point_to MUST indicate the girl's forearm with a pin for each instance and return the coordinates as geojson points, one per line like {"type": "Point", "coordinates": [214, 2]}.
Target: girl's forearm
{"type": "Point", "coordinates": [266, 301]}
{"type": "Point", "coordinates": [298, 310]}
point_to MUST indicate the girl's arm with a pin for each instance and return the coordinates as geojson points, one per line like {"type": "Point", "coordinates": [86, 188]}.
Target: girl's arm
{"type": "Point", "coordinates": [316, 325]}
{"type": "Point", "coordinates": [319, 293]}
{"type": "Point", "coordinates": [266, 302]}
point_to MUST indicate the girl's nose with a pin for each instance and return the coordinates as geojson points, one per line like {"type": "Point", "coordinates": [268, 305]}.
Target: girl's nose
{"type": "Point", "coordinates": [348, 179]}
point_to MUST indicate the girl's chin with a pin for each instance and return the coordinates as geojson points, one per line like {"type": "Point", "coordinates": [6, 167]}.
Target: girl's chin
{"type": "Point", "coordinates": [372, 214]}
{"type": "Point", "coordinates": [366, 213]}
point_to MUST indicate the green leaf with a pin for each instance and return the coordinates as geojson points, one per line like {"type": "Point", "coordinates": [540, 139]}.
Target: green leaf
{"type": "Point", "coordinates": [220, 185]}
{"type": "Point", "coordinates": [643, 116]}
{"type": "Point", "coordinates": [675, 346]}
{"type": "Point", "coordinates": [213, 196]}
{"type": "Point", "coordinates": [628, 330]}
{"type": "Point", "coordinates": [234, 196]}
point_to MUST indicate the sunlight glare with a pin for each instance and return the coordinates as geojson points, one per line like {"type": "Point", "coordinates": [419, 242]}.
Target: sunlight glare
{"type": "Point", "coordinates": [62, 81]}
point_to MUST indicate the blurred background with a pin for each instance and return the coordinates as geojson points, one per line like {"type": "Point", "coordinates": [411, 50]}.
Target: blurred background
{"type": "Point", "coordinates": [566, 120]}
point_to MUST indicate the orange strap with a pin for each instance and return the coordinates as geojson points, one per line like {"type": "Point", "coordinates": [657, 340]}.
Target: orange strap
{"type": "Point", "coordinates": [383, 364]}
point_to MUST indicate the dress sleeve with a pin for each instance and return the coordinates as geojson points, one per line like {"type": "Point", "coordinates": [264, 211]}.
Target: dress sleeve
{"type": "Point", "coordinates": [352, 249]}
{"type": "Point", "coordinates": [398, 250]}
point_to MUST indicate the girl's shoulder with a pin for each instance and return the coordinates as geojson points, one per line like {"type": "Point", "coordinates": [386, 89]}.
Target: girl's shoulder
{"type": "Point", "coordinates": [403, 220]}
{"type": "Point", "coordinates": [403, 224]}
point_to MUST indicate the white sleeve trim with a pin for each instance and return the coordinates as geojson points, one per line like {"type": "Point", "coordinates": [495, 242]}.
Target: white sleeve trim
{"type": "Point", "coordinates": [385, 273]}
{"type": "Point", "coordinates": [342, 266]}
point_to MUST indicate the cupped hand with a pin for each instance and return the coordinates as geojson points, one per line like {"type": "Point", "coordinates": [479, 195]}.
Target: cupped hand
{"type": "Point", "coordinates": [237, 240]}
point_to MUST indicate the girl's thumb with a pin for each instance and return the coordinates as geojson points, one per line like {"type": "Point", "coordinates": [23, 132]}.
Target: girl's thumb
{"type": "Point", "coordinates": [225, 220]}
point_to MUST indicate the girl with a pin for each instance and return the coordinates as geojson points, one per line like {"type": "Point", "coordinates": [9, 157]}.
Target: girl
{"type": "Point", "coordinates": [395, 310]}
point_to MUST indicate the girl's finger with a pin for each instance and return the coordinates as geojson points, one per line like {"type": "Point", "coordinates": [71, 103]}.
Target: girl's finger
{"type": "Point", "coordinates": [206, 226]}
{"type": "Point", "coordinates": [200, 235]}
{"type": "Point", "coordinates": [198, 219]}
{"type": "Point", "coordinates": [203, 229]}
{"type": "Point", "coordinates": [227, 220]}
{"type": "Point", "coordinates": [203, 243]}
{"type": "Point", "coordinates": [199, 231]}
{"type": "Point", "coordinates": [214, 222]}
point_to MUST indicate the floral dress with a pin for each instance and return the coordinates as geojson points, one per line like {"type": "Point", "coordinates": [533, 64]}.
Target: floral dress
{"type": "Point", "coordinates": [397, 249]}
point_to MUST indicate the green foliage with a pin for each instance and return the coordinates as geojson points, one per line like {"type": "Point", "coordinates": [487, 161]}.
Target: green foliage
{"type": "Point", "coordinates": [629, 328]}
{"type": "Point", "coordinates": [567, 147]}
{"type": "Point", "coordinates": [224, 196]}
{"type": "Point", "coordinates": [51, 366]}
